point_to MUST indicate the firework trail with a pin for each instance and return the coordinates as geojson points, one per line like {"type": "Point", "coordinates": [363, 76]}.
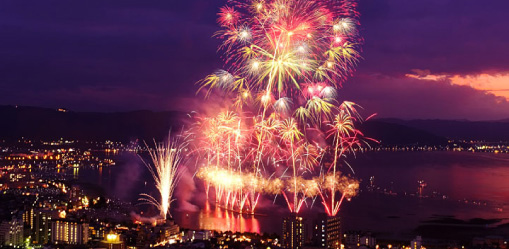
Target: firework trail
{"type": "Point", "coordinates": [285, 60]}
{"type": "Point", "coordinates": [165, 170]}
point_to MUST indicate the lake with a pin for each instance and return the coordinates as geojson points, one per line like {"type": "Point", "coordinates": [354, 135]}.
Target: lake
{"type": "Point", "coordinates": [460, 185]}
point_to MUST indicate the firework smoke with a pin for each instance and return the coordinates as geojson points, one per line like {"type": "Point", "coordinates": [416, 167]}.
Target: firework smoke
{"type": "Point", "coordinates": [185, 190]}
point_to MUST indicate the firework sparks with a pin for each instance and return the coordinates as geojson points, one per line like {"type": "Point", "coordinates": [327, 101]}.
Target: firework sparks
{"type": "Point", "coordinates": [285, 60]}
{"type": "Point", "coordinates": [328, 187]}
{"type": "Point", "coordinates": [278, 46]}
{"type": "Point", "coordinates": [165, 170]}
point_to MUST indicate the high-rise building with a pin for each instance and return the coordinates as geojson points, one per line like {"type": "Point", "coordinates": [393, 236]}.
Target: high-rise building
{"type": "Point", "coordinates": [293, 229]}
{"type": "Point", "coordinates": [327, 232]}
{"type": "Point", "coordinates": [333, 230]}
{"type": "Point", "coordinates": [28, 217]}
{"type": "Point", "coordinates": [40, 223]}
{"type": "Point", "coordinates": [11, 232]}
{"type": "Point", "coordinates": [69, 232]}
{"type": "Point", "coordinates": [320, 231]}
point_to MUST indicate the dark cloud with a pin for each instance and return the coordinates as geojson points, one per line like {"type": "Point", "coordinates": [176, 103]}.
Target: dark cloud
{"type": "Point", "coordinates": [121, 55]}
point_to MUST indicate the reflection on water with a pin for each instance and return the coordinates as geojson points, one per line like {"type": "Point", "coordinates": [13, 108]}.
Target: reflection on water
{"type": "Point", "coordinates": [100, 175]}
{"type": "Point", "coordinates": [76, 173]}
{"type": "Point", "coordinates": [212, 217]}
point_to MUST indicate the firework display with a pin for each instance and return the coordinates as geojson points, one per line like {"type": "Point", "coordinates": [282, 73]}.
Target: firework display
{"type": "Point", "coordinates": [285, 132]}
{"type": "Point", "coordinates": [166, 160]}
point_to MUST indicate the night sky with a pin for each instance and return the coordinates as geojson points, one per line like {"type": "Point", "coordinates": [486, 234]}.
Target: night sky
{"type": "Point", "coordinates": [446, 59]}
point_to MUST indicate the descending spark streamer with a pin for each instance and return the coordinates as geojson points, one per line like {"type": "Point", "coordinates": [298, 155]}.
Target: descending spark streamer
{"type": "Point", "coordinates": [166, 159]}
{"type": "Point", "coordinates": [285, 60]}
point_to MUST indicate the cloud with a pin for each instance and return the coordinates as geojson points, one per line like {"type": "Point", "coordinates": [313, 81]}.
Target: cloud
{"type": "Point", "coordinates": [411, 98]}
{"type": "Point", "coordinates": [496, 84]}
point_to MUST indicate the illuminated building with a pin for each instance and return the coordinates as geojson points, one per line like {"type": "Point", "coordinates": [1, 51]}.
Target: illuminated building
{"type": "Point", "coordinates": [28, 217]}
{"type": "Point", "coordinates": [40, 224]}
{"type": "Point", "coordinates": [97, 232]}
{"type": "Point", "coordinates": [11, 232]}
{"type": "Point", "coordinates": [75, 192]}
{"type": "Point", "coordinates": [69, 232]}
{"type": "Point", "coordinates": [327, 232]}
{"type": "Point", "coordinates": [319, 231]}
{"type": "Point", "coordinates": [192, 235]}
{"type": "Point", "coordinates": [416, 243]}
{"type": "Point", "coordinates": [293, 227]}
{"type": "Point", "coordinates": [168, 230]}
{"type": "Point", "coordinates": [113, 241]}
{"type": "Point", "coordinates": [368, 241]}
{"type": "Point", "coordinates": [333, 230]}
{"type": "Point", "coordinates": [354, 239]}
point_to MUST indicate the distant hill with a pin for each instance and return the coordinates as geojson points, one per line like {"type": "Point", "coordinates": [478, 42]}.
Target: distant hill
{"type": "Point", "coordinates": [492, 131]}
{"type": "Point", "coordinates": [396, 134]}
{"type": "Point", "coordinates": [44, 123]}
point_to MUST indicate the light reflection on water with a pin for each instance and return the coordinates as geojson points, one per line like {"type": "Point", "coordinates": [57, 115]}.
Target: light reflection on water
{"type": "Point", "coordinates": [212, 217]}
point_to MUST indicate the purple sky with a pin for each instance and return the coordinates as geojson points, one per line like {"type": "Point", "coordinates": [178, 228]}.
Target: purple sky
{"type": "Point", "coordinates": [98, 55]}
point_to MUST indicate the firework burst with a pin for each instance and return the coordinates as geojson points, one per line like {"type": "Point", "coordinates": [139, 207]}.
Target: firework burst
{"type": "Point", "coordinates": [285, 60]}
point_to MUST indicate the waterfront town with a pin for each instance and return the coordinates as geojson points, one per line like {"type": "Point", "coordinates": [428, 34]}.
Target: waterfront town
{"type": "Point", "coordinates": [287, 124]}
{"type": "Point", "coordinates": [43, 206]}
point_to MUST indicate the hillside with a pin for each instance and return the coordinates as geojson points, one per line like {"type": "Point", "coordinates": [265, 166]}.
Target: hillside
{"type": "Point", "coordinates": [493, 131]}
{"type": "Point", "coordinates": [44, 123]}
